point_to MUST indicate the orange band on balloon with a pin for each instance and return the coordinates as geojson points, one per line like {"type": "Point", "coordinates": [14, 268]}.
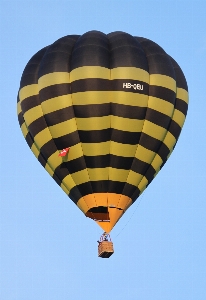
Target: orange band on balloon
{"type": "Point", "coordinates": [116, 204]}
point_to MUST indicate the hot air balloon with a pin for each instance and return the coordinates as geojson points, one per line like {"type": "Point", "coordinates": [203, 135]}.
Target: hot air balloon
{"type": "Point", "coordinates": [102, 114]}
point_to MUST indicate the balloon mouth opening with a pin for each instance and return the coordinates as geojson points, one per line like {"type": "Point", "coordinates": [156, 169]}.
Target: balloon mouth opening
{"type": "Point", "coordinates": [105, 216]}
{"type": "Point", "coordinates": [101, 213]}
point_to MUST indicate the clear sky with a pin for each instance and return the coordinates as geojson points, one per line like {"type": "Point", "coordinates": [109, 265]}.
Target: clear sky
{"type": "Point", "coordinates": [48, 248]}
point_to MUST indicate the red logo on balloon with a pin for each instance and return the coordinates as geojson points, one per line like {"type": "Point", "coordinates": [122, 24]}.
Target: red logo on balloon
{"type": "Point", "coordinates": [64, 152]}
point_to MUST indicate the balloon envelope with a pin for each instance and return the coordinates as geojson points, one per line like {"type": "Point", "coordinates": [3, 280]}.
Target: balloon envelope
{"type": "Point", "coordinates": [117, 102]}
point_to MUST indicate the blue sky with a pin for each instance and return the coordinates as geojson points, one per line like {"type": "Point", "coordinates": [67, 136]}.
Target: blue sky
{"type": "Point", "coordinates": [48, 249]}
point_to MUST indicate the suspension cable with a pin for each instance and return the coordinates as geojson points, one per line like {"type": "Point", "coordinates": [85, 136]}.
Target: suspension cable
{"type": "Point", "coordinates": [140, 199]}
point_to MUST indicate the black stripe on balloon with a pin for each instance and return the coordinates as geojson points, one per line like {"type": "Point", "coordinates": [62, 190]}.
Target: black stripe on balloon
{"type": "Point", "coordinates": [75, 195]}
{"type": "Point", "coordinates": [62, 171]}
{"type": "Point", "coordinates": [95, 110]}
{"type": "Point", "coordinates": [154, 145]}
{"type": "Point", "coordinates": [181, 106]}
{"type": "Point", "coordinates": [56, 178]}
{"type": "Point", "coordinates": [162, 93]}
{"type": "Point", "coordinates": [99, 84]}
{"type": "Point", "coordinates": [104, 135]}
{"type": "Point", "coordinates": [117, 187]}
{"type": "Point", "coordinates": [42, 160]}
{"type": "Point", "coordinates": [141, 167]}
{"type": "Point", "coordinates": [76, 165]}
{"type": "Point", "coordinates": [163, 154]}
{"type": "Point", "coordinates": [102, 187]}
{"type": "Point", "coordinates": [157, 118]}
{"type": "Point", "coordinates": [160, 64]}
{"type": "Point", "coordinates": [27, 79]}
{"type": "Point", "coordinates": [125, 137]}
{"type": "Point", "coordinates": [29, 103]}
{"type": "Point", "coordinates": [104, 161]}
{"type": "Point", "coordinates": [78, 111]}
{"type": "Point", "coordinates": [55, 90]}
{"type": "Point", "coordinates": [100, 161]}
{"type": "Point", "coordinates": [163, 151]}
{"type": "Point", "coordinates": [149, 174]}
{"type": "Point", "coordinates": [29, 139]}
{"type": "Point", "coordinates": [114, 187]}
{"type": "Point", "coordinates": [59, 182]}
{"type": "Point", "coordinates": [149, 142]}
{"type": "Point", "coordinates": [59, 116]}
{"type": "Point", "coordinates": [37, 126]}
{"type": "Point", "coordinates": [20, 119]}
{"type": "Point", "coordinates": [120, 162]}
{"type": "Point", "coordinates": [135, 195]}
{"type": "Point", "coordinates": [68, 140]}
{"type": "Point", "coordinates": [174, 129]}
{"type": "Point", "coordinates": [129, 190]}
{"type": "Point", "coordinates": [93, 84]}
{"type": "Point", "coordinates": [95, 136]}
{"type": "Point", "coordinates": [91, 110]}
{"type": "Point", "coordinates": [81, 190]}
{"type": "Point", "coordinates": [48, 149]}
{"type": "Point", "coordinates": [127, 111]}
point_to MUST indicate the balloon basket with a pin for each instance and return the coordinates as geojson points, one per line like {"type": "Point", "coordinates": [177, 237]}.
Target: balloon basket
{"type": "Point", "coordinates": [105, 247]}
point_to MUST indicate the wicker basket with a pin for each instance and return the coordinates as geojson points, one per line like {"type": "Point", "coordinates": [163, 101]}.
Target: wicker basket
{"type": "Point", "coordinates": [105, 249]}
